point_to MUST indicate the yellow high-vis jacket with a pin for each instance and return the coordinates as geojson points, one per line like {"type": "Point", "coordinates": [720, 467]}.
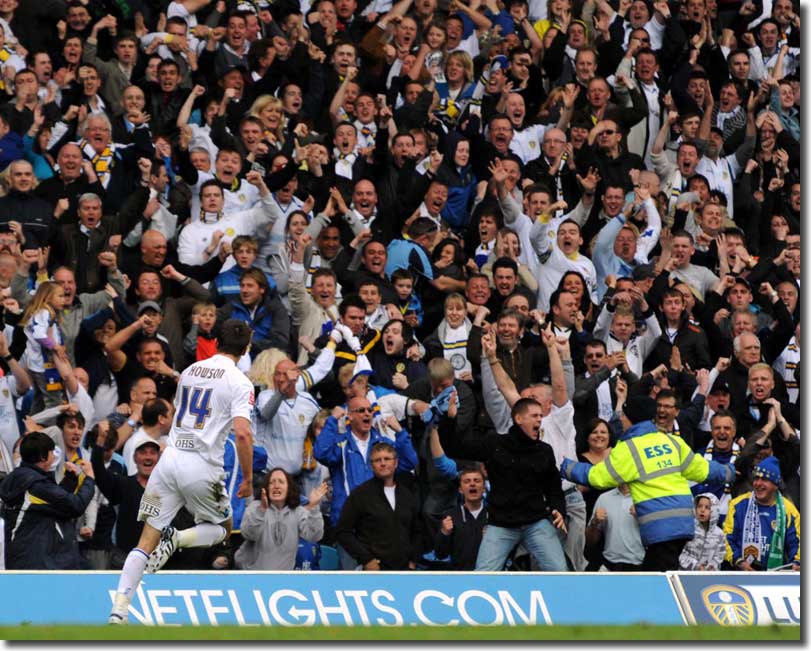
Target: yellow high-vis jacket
{"type": "Point", "coordinates": [656, 466]}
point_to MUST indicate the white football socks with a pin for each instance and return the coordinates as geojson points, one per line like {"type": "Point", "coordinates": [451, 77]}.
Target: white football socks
{"type": "Point", "coordinates": [132, 572]}
{"type": "Point", "coordinates": [204, 534]}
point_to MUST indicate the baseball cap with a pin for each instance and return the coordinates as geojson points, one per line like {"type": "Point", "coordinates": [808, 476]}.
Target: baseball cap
{"type": "Point", "coordinates": [149, 305]}
{"type": "Point", "coordinates": [740, 280]}
{"type": "Point", "coordinates": [141, 439]}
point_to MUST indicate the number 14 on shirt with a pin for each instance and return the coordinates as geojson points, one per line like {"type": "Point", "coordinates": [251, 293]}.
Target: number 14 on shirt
{"type": "Point", "coordinates": [198, 406]}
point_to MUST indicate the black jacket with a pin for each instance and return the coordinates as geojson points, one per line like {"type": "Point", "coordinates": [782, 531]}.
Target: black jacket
{"type": "Point", "coordinates": [123, 491]}
{"type": "Point", "coordinates": [55, 188]}
{"type": "Point", "coordinates": [79, 251]}
{"type": "Point", "coordinates": [691, 341]}
{"type": "Point", "coordinates": [34, 214]}
{"type": "Point", "coordinates": [369, 528]}
{"type": "Point", "coordinates": [524, 479]}
{"type": "Point", "coordinates": [462, 544]}
{"type": "Point", "coordinates": [39, 517]}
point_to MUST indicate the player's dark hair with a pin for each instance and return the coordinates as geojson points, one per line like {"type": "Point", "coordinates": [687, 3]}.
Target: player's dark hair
{"type": "Point", "coordinates": [235, 335]}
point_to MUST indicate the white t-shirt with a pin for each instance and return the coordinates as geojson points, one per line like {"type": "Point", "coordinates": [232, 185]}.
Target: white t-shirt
{"type": "Point", "coordinates": [389, 492]}
{"type": "Point", "coordinates": [210, 394]}
{"type": "Point", "coordinates": [363, 444]}
{"type": "Point", "coordinates": [557, 429]}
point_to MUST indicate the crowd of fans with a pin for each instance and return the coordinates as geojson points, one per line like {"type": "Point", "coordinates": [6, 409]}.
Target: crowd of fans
{"type": "Point", "coordinates": [472, 239]}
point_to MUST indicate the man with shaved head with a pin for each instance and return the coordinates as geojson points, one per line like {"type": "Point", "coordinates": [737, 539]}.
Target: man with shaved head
{"type": "Point", "coordinates": [74, 178]}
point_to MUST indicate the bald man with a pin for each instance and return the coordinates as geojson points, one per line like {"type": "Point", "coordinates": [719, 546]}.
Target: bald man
{"type": "Point", "coordinates": [74, 178]}
{"type": "Point", "coordinates": [154, 254]}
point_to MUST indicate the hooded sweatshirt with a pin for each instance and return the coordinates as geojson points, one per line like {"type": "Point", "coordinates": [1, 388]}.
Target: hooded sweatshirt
{"type": "Point", "coordinates": [461, 185]}
{"type": "Point", "coordinates": [708, 545]}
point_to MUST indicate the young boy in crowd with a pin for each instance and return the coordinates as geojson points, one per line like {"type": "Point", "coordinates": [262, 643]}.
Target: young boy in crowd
{"type": "Point", "coordinates": [201, 343]}
{"type": "Point", "coordinates": [705, 551]}
{"type": "Point", "coordinates": [225, 286]}
{"type": "Point", "coordinates": [408, 302]}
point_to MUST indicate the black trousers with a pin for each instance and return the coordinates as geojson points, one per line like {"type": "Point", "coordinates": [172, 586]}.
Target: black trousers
{"type": "Point", "coordinates": [663, 556]}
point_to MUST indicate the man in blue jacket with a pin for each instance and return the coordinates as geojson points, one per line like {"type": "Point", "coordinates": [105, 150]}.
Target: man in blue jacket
{"type": "Point", "coordinates": [346, 453]}
{"type": "Point", "coordinates": [265, 314]}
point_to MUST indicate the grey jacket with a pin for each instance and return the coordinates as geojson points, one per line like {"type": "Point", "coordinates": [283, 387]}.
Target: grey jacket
{"type": "Point", "coordinates": [271, 536]}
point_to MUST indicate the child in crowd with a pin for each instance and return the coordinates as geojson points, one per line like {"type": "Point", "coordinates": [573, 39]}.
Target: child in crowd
{"type": "Point", "coordinates": [41, 322]}
{"type": "Point", "coordinates": [706, 550]}
{"type": "Point", "coordinates": [407, 301]}
{"type": "Point", "coordinates": [377, 315]}
{"type": "Point", "coordinates": [201, 343]}
{"type": "Point", "coordinates": [488, 229]}
{"type": "Point", "coordinates": [226, 285]}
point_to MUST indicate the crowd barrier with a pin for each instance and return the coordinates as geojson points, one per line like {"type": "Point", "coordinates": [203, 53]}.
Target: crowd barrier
{"type": "Point", "coordinates": [406, 598]}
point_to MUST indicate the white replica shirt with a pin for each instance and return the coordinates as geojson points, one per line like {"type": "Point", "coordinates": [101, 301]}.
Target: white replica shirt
{"type": "Point", "coordinates": [9, 431]}
{"type": "Point", "coordinates": [210, 395]}
{"type": "Point", "coordinates": [526, 143]}
{"type": "Point", "coordinates": [557, 429]}
{"type": "Point", "coordinates": [240, 196]}
{"type": "Point", "coordinates": [196, 236]}
{"type": "Point", "coordinates": [721, 174]}
{"type": "Point", "coordinates": [555, 262]}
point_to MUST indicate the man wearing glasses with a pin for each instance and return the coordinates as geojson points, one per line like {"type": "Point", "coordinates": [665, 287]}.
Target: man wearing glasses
{"type": "Point", "coordinates": [115, 165]}
{"type": "Point", "coordinates": [344, 447]}
{"type": "Point", "coordinates": [380, 524]}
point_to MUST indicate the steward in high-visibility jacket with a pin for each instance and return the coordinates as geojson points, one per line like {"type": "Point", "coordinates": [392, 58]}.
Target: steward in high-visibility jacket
{"type": "Point", "coordinates": [656, 466]}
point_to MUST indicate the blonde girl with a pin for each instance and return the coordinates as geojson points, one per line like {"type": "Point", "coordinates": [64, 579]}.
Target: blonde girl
{"type": "Point", "coordinates": [41, 322]}
{"type": "Point", "coordinates": [268, 110]}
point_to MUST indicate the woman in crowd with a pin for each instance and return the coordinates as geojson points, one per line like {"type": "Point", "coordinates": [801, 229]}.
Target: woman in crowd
{"type": "Point", "coordinates": [273, 524]}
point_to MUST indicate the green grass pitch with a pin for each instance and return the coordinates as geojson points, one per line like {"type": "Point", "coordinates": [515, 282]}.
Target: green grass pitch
{"type": "Point", "coordinates": [507, 633]}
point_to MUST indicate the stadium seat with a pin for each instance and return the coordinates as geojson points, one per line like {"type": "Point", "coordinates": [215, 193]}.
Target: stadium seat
{"type": "Point", "coordinates": [329, 558]}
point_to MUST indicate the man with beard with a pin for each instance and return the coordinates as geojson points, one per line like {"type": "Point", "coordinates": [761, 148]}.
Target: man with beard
{"type": "Point", "coordinates": [524, 366]}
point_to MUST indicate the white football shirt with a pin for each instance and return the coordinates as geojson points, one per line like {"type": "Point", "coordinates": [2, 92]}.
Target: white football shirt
{"type": "Point", "coordinates": [210, 394]}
